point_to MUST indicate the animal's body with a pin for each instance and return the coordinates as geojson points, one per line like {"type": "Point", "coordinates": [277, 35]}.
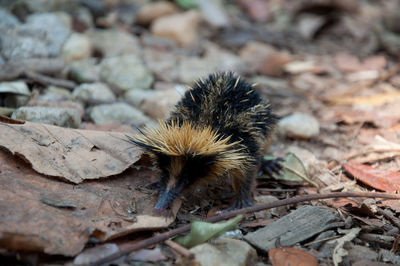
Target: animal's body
{"type": "Point", "coordinates": [217, 130]}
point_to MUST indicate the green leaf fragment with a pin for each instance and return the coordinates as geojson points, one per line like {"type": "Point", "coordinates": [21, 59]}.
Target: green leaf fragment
{"type": "Point", "coordinates": [202, 231]}
{"type": "Point", "coordinates": [186, 3]}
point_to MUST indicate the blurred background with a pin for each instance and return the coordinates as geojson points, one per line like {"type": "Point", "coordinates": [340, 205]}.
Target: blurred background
{"type": "Point", "coordinates": [104, 62]}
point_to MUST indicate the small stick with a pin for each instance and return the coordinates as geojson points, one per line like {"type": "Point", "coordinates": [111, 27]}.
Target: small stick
{"type": "Point", "coordinates": [14, 69]}
{"type": "Point", "coordinates": [179, 249]}
{"type": "Point", "coordinates": [388, 215]}
{"type": "Point", "coordinates": [223, 216]}
{"type": "Point", "coordinates": [45, 80]}
{"type": "Point", "coordinates": [395, 244]}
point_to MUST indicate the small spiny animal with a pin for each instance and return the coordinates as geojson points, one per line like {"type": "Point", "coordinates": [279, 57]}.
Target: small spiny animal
{"type": "Point", "coordinates": [217, 130]}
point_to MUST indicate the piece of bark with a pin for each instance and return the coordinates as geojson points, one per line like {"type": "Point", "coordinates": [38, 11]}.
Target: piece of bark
{"type": "Point", "coordinates": [295, 227]}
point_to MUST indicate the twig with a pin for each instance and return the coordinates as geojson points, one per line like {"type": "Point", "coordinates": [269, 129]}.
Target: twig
{"type": "Point", "coordinates": [14, 69]}
{"type": "Point", "coordinates": [179, 249]}
{"type": "Point", "coordinates": [45, 80]}
{"type": "Point", "coordinates": [223, 216]}
{"type": "Point", "coordinates": [381, 240]}
{"type": "Point", "coordinates": [395, 245]}
{"type": "Point", "coordinates": [390, 216]}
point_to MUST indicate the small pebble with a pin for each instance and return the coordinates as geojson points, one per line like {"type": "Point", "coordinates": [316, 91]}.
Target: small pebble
{"type": "Point", "coordinates": [63, 117]}
{"type": "Point", "coordinates": [182, 28]}
{"type": "Point", "coordinates": [299, 125]}
{"type": "Point", "coordinates": [93, 92]}
{"type": "Point", "coordinates": [121, 112]}
{"type": "Point", "coordinates": [125, 72]}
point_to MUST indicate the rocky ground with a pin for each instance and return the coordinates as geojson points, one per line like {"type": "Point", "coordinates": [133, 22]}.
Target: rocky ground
{"type": "Point", "coordinates": [329, 68]}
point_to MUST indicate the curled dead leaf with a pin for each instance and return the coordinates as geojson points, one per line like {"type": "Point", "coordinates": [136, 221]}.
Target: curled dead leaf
{"type": "Point", "coordinates": [72, 154]}
{"type": "Point", "coordinates": [47, 215]}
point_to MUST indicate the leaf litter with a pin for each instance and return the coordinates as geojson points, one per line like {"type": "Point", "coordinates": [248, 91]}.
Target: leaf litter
{"type": "Point", "coordinates": [333, 71]}
{"type": "Point", "coordinates": [71, 154]}
{"type": "Point", "coordinates": [47, 215]}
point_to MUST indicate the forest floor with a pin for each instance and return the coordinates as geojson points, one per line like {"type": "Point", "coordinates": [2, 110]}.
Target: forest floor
{"type": "Point", "coordinates": [77, 76]}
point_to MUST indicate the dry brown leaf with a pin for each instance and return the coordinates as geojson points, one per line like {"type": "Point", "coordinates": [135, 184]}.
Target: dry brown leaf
{"type": "Point", "coordinates": [378, 148]}
{"type": "Point", "coordinates": [349, 63]}
{"type": "Point", "coordinates": [286, 256]}
{"type": "Point", "coordinates": [383, 180]}
{"type": "Point", "coordinates": [392, 204]}
{"type": "Point", "coordinates": [43, 214]}
{"type": "Point", "coordinates": [371, 100]}
{"type": "Point", "coordinates": [384, 117]}
{"type": "Point", "coordinates": [72, 154]}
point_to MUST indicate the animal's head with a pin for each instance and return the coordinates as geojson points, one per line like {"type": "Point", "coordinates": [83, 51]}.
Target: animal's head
{"type": "Point", "coordinates": [186, 154]}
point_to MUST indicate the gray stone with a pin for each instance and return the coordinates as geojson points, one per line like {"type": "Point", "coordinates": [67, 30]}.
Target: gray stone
{"type": "Point", "coordinates": [113, 42]}
{"type": "Point", "coordinates": [77, 47]}
{"type": "Point", "coordinates": [84, 71]}
{"type": "Point", "coordinates": [215, 59]}
{"type": "Point", "coordinates": [54, 36]}
{"type": "Point", "coordinates": [7, 19]}
{"type": "Point", "coordinates": [299, 125]}
{"type": "Point", "coordinates": [161, 103]}
{"type": "Point", "coordinates": [36, 6]}
{"type": "Point", "coordinates": [297, 226]}
{"type": "Point", "coordinates": [224, 252]}
{"type": "Point", "coordinates": [125, 72]}
{"type": "Point", "coordinates": [64, 117]}
{"type": "Point", "coordinates": [162, 64]}
{"type": "Point", "coordinates": [136, 97]}
{"type": "Point", "coordinates": [121, 112]}
{"type": "Point", "coordinates": [17, 43]}
{"type": "Point", "coordinates": [35, 38]}
{"type": "Point", "coordinates": [53, 93]}
{"type": "Point", "coordinates": [93, 92]}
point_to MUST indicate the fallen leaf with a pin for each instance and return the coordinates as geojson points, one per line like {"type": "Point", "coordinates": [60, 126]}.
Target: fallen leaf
{"type": "Point", "coordinates": [339, 252]}
{"type": "Point", "coordinates": [293, 170]}
{"type": "Point", "coordinates": [341, 202]}
{"type": "Point", "coordinates": [392, 204]}
{"type": "Point", "coordinates": [43, 214]}
{"type": "Point", "coordinates": [200, 232]}
{"type": "Point", "coordinates": [383, 180]}
{"type": "Point", "coordinates": [286, 256]}
{"type": "Point", "coordinates": [16, 88]}
{"type": "Point", "coordinates": [385, 116]}
{"type": "Point", "coordinates": [371, 100]}
{"type": "Point", "coordinates": [72, 154]}
{"type": "Point", "coordinates": [349, 63]}
{"type": "Point", "coordinates": [378, 148]}
{"type": "Point", "coordinates": [362, 209]}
